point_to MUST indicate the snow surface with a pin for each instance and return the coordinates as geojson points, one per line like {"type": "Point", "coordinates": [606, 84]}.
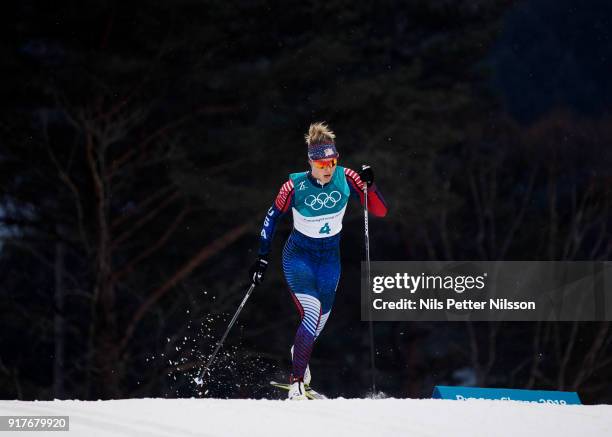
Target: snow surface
{"type": "Point", "coordinates": [334, 417]}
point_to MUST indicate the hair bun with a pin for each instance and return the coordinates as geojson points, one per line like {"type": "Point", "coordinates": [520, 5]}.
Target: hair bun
{"type": "Point", "coordinates": [319, 133]}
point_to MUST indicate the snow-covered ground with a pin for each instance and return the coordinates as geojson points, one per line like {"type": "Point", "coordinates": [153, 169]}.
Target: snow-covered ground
{"type": "Point", "coordinates": [337, 417]}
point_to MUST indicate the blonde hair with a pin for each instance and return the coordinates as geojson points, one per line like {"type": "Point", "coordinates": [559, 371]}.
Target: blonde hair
{"type": "Point", "coordinates": [319, 133]}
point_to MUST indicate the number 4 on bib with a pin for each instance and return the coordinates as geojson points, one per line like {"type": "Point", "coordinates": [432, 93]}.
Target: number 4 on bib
{"type": "Point", "coordinates": [325, 229]}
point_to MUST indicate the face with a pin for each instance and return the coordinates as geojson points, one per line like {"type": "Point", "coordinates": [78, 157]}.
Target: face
{"type": "Point", "coordinates": [323, 174]}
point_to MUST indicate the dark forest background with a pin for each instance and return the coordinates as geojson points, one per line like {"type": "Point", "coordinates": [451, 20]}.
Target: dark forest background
{"type": "Point", "coordinates": [141, 144]}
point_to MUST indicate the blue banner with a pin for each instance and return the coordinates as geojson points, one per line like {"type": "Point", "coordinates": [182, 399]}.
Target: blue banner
{"type": "Point", "coordinates": [506, 394]}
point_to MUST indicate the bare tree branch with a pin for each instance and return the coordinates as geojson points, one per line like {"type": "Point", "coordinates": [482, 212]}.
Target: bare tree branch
{"type": "Point", "coordinates": [154, 248]}
{"type": "Point", "coordinates": [204, 254]}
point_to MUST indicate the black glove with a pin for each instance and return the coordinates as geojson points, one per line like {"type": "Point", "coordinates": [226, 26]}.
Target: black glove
{"type": "Point", "coordinates": [366, 174]}
{"type": "Point", "coordinates": [257, 270]}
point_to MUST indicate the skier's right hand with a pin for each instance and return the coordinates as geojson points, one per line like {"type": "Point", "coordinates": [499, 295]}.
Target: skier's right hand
{"type": "Point", "coordinates": [257, 270]}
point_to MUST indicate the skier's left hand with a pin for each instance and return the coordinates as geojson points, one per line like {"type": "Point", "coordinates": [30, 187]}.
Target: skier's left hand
{"type": "Point", "coordinates": [366, 174]}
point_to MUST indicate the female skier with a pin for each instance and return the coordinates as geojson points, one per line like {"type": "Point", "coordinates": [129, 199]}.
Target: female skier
{"type": "Point", "coordinates": [311, 256]}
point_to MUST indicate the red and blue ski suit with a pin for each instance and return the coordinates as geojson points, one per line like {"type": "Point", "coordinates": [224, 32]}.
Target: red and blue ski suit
{"type": "Point", "coordinates": [311, 256]}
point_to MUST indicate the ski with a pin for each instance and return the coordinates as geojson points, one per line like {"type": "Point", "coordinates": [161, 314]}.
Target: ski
{"type": "Point", "coordinates": [314, 395]}
{"type": "Point", "coordinates": [310, 393]}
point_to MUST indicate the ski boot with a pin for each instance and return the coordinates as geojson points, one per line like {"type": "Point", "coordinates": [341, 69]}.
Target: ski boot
{"type": "Point", "coordinates": [297, 392]}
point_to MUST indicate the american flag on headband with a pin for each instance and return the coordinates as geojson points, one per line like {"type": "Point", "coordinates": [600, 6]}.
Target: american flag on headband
{"type": "Point", "coordinates": [322, 151]}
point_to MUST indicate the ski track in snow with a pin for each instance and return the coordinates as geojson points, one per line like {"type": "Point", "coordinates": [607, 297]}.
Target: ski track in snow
{"type": "Point", "coordinates": [334, 417]}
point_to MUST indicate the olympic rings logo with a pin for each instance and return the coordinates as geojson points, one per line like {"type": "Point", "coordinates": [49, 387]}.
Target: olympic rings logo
{"type": "Point", "coordinates": [323, 200]}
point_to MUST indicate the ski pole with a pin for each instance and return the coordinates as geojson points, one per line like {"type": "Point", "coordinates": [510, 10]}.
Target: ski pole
{"type": "Point", "coordinates": [199, 379]}
{"type": "Point", "coordinates": [367, 245]}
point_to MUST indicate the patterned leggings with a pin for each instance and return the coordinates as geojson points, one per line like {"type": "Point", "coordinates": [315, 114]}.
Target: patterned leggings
{"type": "Point", "coordinates": [312, 270]}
